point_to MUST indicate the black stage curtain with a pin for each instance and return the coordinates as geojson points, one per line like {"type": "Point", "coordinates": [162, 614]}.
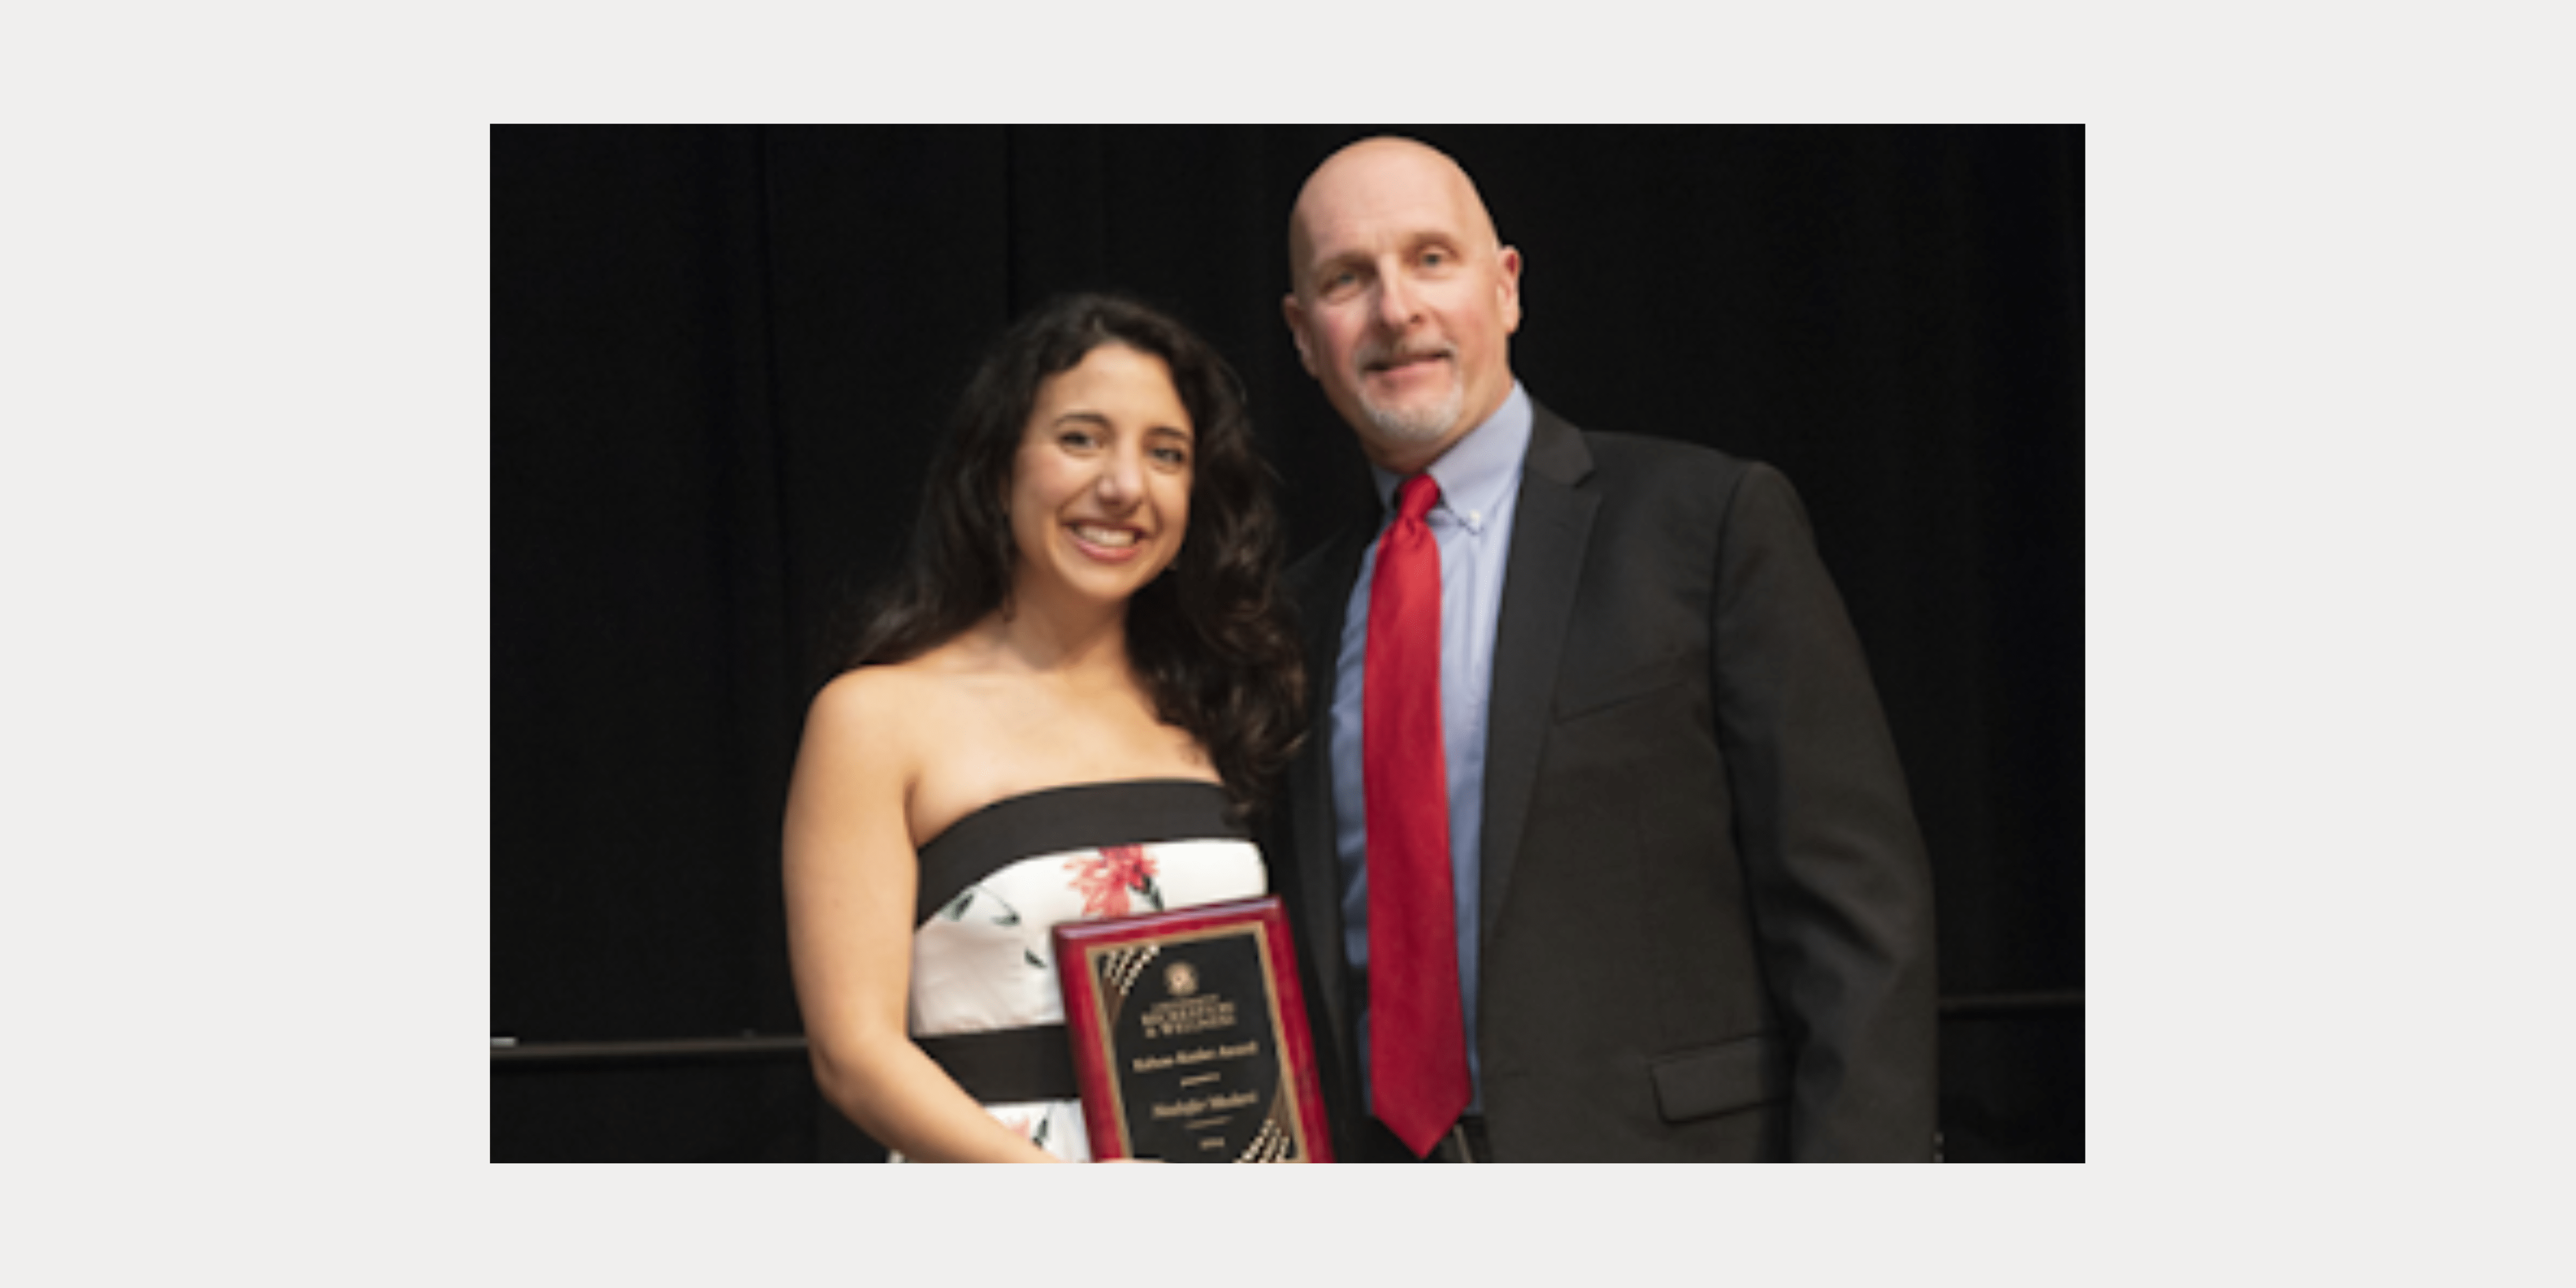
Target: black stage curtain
{"type": "Point", "coordinates": [721, 355]}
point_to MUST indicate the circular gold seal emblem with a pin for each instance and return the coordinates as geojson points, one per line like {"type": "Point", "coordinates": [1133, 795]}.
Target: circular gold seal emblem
{"type": "Point", "coordinates": [1181, 978]}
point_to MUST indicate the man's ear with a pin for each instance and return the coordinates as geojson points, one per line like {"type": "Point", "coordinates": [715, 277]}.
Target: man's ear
{"type": "Point", "coordinates": [1508, 286]}
{"type": "Point", "coordinates": [1296, 316]}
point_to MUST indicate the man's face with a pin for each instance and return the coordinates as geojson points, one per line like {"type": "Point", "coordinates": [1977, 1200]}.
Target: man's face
{"type": "Point", "coordinates": [1404, 302]}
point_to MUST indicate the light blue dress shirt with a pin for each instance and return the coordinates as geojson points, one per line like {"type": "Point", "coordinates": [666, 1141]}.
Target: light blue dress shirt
{"type": "Point", "coordinates": [1480, 484]}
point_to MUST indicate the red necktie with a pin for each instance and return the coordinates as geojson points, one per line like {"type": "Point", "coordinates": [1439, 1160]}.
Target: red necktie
{"type": "Point", "coordinates": [1417, 1041]}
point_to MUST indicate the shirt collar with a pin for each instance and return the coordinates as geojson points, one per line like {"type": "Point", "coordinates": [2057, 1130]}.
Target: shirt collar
{"type": "Point", "coordinates": [1478, 472]}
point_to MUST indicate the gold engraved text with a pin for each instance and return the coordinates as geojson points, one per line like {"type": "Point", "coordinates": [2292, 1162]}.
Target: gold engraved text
{"type": "Point", "coordinates": [1185, 1015]}
{"type": "Point", "coordinates": [1197, 1106]}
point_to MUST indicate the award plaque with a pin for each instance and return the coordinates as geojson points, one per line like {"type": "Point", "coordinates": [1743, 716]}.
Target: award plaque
{"type": "Point", "coordinates": [1189, 1036]}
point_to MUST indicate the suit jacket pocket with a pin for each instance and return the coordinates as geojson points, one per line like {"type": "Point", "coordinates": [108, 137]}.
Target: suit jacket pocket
{"type": "Point", "coordinates": [1594, 693]}
{"type": "Point", "coordinates": [1719, 1079]}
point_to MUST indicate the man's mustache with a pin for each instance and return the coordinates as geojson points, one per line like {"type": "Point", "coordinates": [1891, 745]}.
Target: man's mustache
{"type": "Point", "coordinates": [1373, 356]}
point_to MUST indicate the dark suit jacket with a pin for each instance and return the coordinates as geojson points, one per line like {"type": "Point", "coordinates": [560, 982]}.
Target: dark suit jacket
{"type": "Point", "coordinates": [1706, 914]}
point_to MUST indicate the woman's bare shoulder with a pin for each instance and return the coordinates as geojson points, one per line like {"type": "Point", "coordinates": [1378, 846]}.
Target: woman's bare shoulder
{"type": "Point", "coordinates": [859, 699]}
{"type": "Point", "coordinates": [874, 713]}
{"type": "Point", "coordinates": [926, 701]}
{"type": "Point", "coordinates": [931, 724]}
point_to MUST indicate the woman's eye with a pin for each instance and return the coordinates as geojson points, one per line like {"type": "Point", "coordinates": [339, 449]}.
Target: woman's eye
{"type": "Point", "coordinates": [1076, 438]}
{"type": "Point", "coordinates": [1171, 456]}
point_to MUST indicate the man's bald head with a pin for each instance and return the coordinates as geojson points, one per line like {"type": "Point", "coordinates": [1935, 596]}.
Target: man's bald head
{"type": "Point", "coordinates": [1383, 163]}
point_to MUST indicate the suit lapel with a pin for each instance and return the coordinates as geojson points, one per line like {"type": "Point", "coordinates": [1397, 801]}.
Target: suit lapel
{"type": "Point", "coordinates": [1550, 530]}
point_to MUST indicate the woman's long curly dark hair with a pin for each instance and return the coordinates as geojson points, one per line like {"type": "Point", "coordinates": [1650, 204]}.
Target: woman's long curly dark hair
{"type": "Point", "coordinates": [1209, 638]}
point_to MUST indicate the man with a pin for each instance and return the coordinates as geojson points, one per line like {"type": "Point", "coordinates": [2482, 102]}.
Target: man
{"type": "Point", "coordinates": [1600, 849]}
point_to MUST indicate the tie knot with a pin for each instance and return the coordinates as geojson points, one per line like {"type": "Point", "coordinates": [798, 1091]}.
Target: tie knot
{"type": "Point", "coordinates": [1415, 496]}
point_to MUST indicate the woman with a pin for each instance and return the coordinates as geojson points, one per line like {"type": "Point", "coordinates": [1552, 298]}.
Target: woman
{"type": "Point", "coordinates": [1066, 707]}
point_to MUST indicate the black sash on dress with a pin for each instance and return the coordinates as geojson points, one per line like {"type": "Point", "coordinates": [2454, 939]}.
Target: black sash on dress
{"type": "Point", "coordinates": [1008, 1065]}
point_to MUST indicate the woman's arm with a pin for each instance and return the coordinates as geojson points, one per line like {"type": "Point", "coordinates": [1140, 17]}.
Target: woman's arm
{"type": "Point", "coordinates": [851, 876]}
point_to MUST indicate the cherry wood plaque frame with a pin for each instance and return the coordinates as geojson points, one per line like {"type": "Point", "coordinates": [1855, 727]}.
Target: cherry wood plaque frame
{"type": "Point", "coordinates": [1189, 1036]}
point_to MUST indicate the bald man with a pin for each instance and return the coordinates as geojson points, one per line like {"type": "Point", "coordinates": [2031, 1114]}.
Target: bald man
{"type": "Point", "coordinates": [1646, 870]}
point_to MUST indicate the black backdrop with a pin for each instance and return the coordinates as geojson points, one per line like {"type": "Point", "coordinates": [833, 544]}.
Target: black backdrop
{"type": "Point", "coordinates": [719, 356]}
